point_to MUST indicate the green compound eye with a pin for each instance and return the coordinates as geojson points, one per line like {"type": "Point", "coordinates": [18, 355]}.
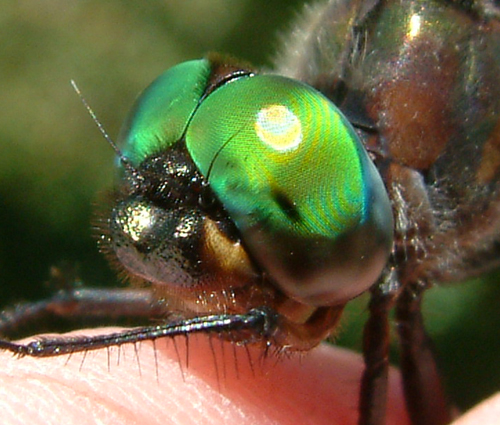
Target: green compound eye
{"type": "Point", "coordinates": [294, 177]}
{"type": "Point", "coordinates": [160, 115]}
{"type": "Point", "coordinates": [287, 167]}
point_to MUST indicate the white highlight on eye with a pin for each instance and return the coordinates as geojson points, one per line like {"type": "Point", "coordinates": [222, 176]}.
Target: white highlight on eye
{"type": "Point", "coordinates": [278, 127]}
{"type": "Point", "coordinates": [138, 220]}
{"type": "Point", "coordinates": [415, 26]}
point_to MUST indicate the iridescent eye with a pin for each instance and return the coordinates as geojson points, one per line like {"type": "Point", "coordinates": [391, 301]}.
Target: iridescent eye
{"type": "Point", "coordinates": [293, 175]}
{"type": "Point", "coordinates": [160, 115]}
{"type": "Point", "coordinates": [307, 204]}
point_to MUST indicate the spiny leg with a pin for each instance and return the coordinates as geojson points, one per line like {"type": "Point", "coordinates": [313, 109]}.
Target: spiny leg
{"type": "Point", "coordinates": [259, 324]}
{"type": "Point", "coordinates": [425, 397]}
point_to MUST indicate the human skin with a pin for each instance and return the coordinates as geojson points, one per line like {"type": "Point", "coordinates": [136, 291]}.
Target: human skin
{"type": "Point", "coordinates": [222, 384]}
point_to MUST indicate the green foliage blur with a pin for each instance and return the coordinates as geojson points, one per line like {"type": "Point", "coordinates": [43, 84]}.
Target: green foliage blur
{"type": "Point", "coordinates": [54, 163]}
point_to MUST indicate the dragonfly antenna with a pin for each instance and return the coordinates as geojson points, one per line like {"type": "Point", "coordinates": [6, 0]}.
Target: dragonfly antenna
{"type": "Point", "coordinates": [125, 162]}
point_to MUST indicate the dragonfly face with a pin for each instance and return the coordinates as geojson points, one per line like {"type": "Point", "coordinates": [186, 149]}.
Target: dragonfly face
{"type": "Point", "coordinates": [244, 190]}
{"type": "Point", "coordinates": [193, 217]}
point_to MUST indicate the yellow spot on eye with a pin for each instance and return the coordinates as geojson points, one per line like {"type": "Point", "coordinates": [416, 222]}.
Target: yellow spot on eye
{"type": "Point", "coordinates": [278, 127]}
{"type": "Point", "coordinates": [414, 27]}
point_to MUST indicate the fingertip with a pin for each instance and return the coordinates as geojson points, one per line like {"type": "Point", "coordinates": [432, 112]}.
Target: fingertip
{"type": "Point", "coordinates": [202, 381]}
{"type": "Point", "coordinates": [485, 413]}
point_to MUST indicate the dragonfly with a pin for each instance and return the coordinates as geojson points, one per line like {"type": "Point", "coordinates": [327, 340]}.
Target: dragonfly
{"type": "Point", "coordinates": [432, 213]}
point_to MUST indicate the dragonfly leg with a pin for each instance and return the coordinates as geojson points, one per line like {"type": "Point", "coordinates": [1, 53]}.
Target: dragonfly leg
{"type": "Point", "coordinates": [257, 326]}
{"type": "Point", "coordinates": [373, 396]}
{"type": "Point", "coordinates": [86, 303]}
{"type": "Point", "coordinates": [425, 398]}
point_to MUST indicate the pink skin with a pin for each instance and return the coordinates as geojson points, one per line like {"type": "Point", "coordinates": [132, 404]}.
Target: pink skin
{"type": "Point", "coordinates": [485, 413]}
{"type": "Point", "coordinates": [320, 387]}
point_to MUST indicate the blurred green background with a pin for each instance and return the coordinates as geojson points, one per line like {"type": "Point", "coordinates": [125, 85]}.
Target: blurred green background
{"type": "Point", "coordinates": [54, 163]}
